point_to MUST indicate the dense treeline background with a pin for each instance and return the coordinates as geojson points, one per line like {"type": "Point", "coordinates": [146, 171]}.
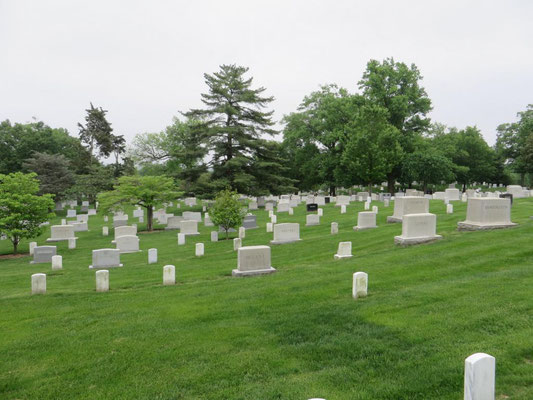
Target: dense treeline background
{"type": "Point", "coordinates": [335, 139]}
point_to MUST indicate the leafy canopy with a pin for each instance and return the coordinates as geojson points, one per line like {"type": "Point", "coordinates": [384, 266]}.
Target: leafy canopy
{"type": "Point", "coordinates": [227, 211]}
{"type": "Point", "coordinates": [21, 209]}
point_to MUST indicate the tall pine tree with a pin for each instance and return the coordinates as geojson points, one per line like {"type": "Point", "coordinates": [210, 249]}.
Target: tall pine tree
{"type": "Point", "coordinates": [235, 126]}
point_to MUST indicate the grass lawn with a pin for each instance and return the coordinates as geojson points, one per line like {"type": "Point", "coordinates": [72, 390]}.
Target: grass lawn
{"type": "Point", "coordinates": [295, 334]}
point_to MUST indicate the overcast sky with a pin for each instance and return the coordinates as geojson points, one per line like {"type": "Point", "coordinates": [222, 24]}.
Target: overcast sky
{"type": "Point", "coordinates": [144, 60]}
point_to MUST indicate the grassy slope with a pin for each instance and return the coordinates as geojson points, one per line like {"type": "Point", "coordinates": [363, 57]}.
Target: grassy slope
{"type": "Point", "coordinates": [295, 334]}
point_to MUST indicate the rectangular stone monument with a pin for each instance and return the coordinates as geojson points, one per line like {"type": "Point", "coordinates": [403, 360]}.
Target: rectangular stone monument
{"type": "Point", "coordinates": [61, 232]}
{"type": "Point", "coordinates": [43, 254]}
{"type": "Point", "coordinates": [453, 194]}
{"type": "Point", "coordinates": [365, 220]}
{"type": "Point", "coordinates": [192, 216]}
{"type": "Point", "coordinates": [312, 219]}
{"type": "Point", "coordinates": [253, 260]}
{"type": "Point", "coordinates": [79, 226]}
{"type": "Point", "coordinates": [106, 258]}
{"type": "Point", "coordinates": [199, 252]}
{"type": "Point", "coordinates": [189, 227]}
{"type": "Point", "coordinates": [418, 228]}
{"type": "Point", "coordinates": [312, 207]}
{"type": "Point", "coordinates": [487, 213]}
{"type": "Point", "coordinates": [408, 205]}
{"type": "Point", "coordinates": [286, 233]}
{"type": "Point", "coordinates": [214, 236]}
{"type": "Point", "coordinates": [342, 201]}
{"type": "Point", "coordinates": [71, 213]}
{"type": "Point", "coordinates": [334, 228]}
{"type": "Point", "coordinates": [269, 206]}
{"type": "Point", "coordinates": [173, 222]}
{"type": "Point", "coordinates": [283, 207]}
{"type": "Point", "coordinates": [57, 263]}
{"type": "Point", "coordinates": [250, 222]}
{"type": "Point", "coordinates": [120, 221]}
{"type": "Point", "coordinates": [181, 239]}
{"type": "Point", "coordinates": [125, 231]}
{"type": "Point", "coordinates": [138, 213]}
{"type": "Point", "coordinates": [127, 244]}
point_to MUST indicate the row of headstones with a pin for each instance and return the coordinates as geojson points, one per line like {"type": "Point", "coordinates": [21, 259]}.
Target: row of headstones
{"type": "Point", "coordinates": [479, 377]}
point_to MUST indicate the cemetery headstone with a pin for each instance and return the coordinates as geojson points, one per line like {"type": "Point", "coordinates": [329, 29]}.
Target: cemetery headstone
{"type": "Point", "coordinates": [61, 232]}
{"type": "Point", "coordinates": [344, 251]}
{"type": "Point", "coordinates": [181, 239]}
{"type": "Point", "coordinates": [127, 244]}
{"type": "Point", "coordinates": [360, 285]}
{"type": "Point", "coordinates": [199, 249]}
{"type": "Point", "coordinates": [312, 207]}
{"type": "Point", "coordinates": [487, 213]}
{"type": "Point", "coordinates": [214, 236]}
{"type": "Point", "coordinates": [334, 228]}
{"type": "Point", "coordinates": [102, 280]}
{"type": "Point", "coordinates": [253, 260]}
{"type": "Point", "coordinates": [38, 284]}
{"type": "Point", "coordinates": [418, 228]}
{"type": "Point", "coordinates": [106, 258]}
{"type": "Point", "coordinates": [286, 233]}
{"type": "Point", "coordinates": [169, 275]}
{"type": "Point", "coordinates": [57, 263]}
{"type": "Point", "coordinates": [408, 205]}
{"type": "Point", "coordinates": [312, 219]}
{"type": "Point", "coordinates": [365, 220]}
{"type": "Point", "coordinates": [43, 254]}
{"type": "Point", "coordinates": [480, 377]}
{"type": "Point", "coordinates": [237, 244]}
{"type": "Point", "coordinates": [152, 256]}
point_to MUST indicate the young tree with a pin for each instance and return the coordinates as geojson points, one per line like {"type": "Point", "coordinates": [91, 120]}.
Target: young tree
{"type": "Point", "coordinates": [373, 147]}
{"type": "Point", "coordinates": [97, 132]}
{"type": "Point", "coordinates": [97, 179]}
{"type": "Point", "coordinates": [227, 212]}
{"type": "Point", "coordinates": [144, 191]}
{"type": "Point", "coordinates": [427, 166]}
{"type": "Point", "coordinates": [21, 209]}
{"type": "Point", "coordinates": [396, 87]}
{"type": "Point", "coordinates": [54, 173]}
{"type": "Point", "coordinates": [234, 122]}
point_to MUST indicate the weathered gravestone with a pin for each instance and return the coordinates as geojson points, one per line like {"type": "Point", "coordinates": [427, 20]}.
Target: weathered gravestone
{"type": "Point", "coordinates": [61, 232]}
{"type": "Point", "coordinates": [106, 258]}
{"type": "Point", "coordinates": [360, 285]}
{"type": "Point", "coordinates": [43, 254]}
{"type": "Point", "coordinates": [192, 216]}
{"type": "Point", "coordinates": [169, 275]}
{"type": "Point", "coordinates": [365, 220]}
{"type": "Point", "coordinates": [102, 280]}
{"type": "Point", "coordinates": [127, 244]}
{"type": "Point", "coordinates": [253, 260]}
{"type": "Point", "coordinates": [125, 231]}
{"type": "Point", "coordinates": [286, 233]}
{"type": "Point", "coordinates": [408, 205]}
{"type": "Point", "coordinates": [480, 377]}
{"type": "Point", "coordinates": [312, 219]}
{"type": "Point", "coordinates": [38, 284]}
{"type": "Point", "coordinates": [71, 213]}
{"type": "Point", "coordinates": [344, 251]}
{"type": "Point", "coordinates": [250, 222]}
{"type": "Point", "coordinates": [418, 228]}
{"type": "Point", "coordinates": [174, 222]}
{"type": "Point", "coordinates": [487, 213]}
{"type": "Point", "coordinates": [189, 227]}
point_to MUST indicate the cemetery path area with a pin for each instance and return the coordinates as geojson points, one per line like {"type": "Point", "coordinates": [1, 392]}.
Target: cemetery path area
{"type": "Point", "coordinates": [294, 334]}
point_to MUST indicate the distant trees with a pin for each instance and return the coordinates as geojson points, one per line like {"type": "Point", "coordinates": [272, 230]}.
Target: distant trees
{"type": "Point", "coordinates": [513, 143]}
{"type": "Point", "coordinates": [234, 124]}
{"type": "Point", "coordinates": [53, 172]}
{"type": "Point", "coordinates": [22, 210]}
{"type": "Point", "coordinates": [396, 87]}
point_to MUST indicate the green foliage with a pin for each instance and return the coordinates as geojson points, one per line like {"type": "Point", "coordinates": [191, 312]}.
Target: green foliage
{"type": "Point", "coordinates": [97, 132]}
{"type": "Point", "coordinates": [21, 209]}
{"type": "Point", "coordinates": [373, 147]}
{"type": "Point", "coordinates": [19, 142]}
{"type": "Point", "coordinates": [233, 122]}
{"type": "Point", "coordinates": [53, 172]}
{"type": "Point", "coordinates": [314, 136]}
{"type": "Point", "coordinates": [428, 167]}
{"type": "Point", "coordinates": [396, 87]}
{"type": "Point", "coordinates": [144, 191]}
{"type": "Point", "coordinates": [227, 212]}
{"type": "Point", "coordinates": [97, 179]}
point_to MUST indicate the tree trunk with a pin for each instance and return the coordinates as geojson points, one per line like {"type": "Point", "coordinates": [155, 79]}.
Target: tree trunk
{"type": "Point", "coordinates": [369, 187]}
{"type": "Point", "coordinates": [227, 233]}
{"type": "Point", "coordinates": [332, 191]}
{"type": "Point", "coordinates": [15, 247]}
{"type": "Point", "coordinates": [390, 184]}
{"type": "Point", "coordinates": [522, 178]}
{"type": "Point", "coordinates": [150, 216]}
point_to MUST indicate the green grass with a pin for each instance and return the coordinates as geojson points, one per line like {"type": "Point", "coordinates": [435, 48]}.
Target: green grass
{"type": "Point", "coordinates": [295, 334]}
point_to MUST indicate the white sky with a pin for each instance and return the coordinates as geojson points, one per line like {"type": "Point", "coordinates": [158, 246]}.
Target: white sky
{"type": "Point", "coordinates": [144, 60]}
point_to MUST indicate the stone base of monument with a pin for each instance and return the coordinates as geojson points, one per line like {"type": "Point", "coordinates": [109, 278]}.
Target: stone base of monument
{"type": "Point", "coordinates": [106, 266]}
{"type": "Point", "coordinates": [60, 240]}
{"type": "Point", "coordinates": [172, 228]}
{"type": "Point", "coordinates": [340, 257]}
{"type": "Point", "coordinates": [312, 224]}
{"type": "Point", "coordinates": [403, 241]}
{"type": "Point", "coordinates": [391, 219]}
{"type": "Point", "coordinates": [468, 226]}
{"type": "Point", "coordinates": [284, 241]}
{"type": "Point", "coordinates": [238, 273]}
{"type": "Point", "coordinates": [129, 251]}
{"type": "Point", "coordinates": [360, 228]}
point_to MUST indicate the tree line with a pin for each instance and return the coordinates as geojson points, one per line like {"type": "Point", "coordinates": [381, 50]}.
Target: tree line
{"type": "Point", "coordinates": [335, 138]}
